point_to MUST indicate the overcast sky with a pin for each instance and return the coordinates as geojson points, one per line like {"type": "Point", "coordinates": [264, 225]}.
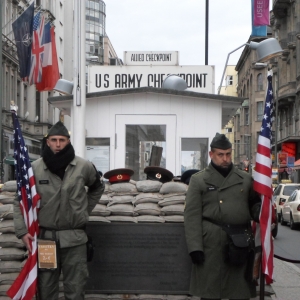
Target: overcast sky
{"type": "Point", "coordinates": [173, 25]}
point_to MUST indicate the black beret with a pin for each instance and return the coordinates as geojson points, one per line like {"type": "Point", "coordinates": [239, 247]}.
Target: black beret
{"type": "Point", "coordinates": [119, 175]}
{"type": "Point", "coordinates": [186, 176]}
{"type": "Point", "coordinates": [58, 129]}
{"type": "Point", "coordinates": [220, 141]}
{"type": "Point", "coordinates": [159, 174]}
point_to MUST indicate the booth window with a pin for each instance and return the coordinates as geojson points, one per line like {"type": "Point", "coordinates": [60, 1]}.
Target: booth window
{"type": "Point", "coordinates": [142, 141]}
{"type": "Point", "coordinates": [194, 153]}
{"type": "Point", "coordinates": [98, 152]}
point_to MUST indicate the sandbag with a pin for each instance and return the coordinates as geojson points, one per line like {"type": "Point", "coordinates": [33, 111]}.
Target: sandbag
{"type": "Point", "coordinates": [100, 210]}
{"type": "Point", "coordinates": [174, 219]}
{"type": "Point", "coordinates": [121, 209]}
{"type": "Point", "coordinates": [6, 211]}
{"type": "Point", "coordinates": [11, 254]}
{"type": "Point", "coordinates": [4, 199]}
{"type": "Point", "coordinates": [10, 266]}
{"type": "Point", "coordinates": [122, 219]}
{"type": "Point", "coordinates": [148, 186]}
{"type": "Point", "coordinates": [98, 219]}
{"type": "Point", "coordinates": [10, 241]}
{"type": "Point", "coordinates": [173, 187]}
{"type": "Point", "coordinates": [147, 209]}
{"type": "Point", "coordinates": [122, 199]}
{"type": "Point", "coordinates": [9, 186]}
{"type": "Point", "coordinates": [172, 200]}
{"type": "Point", "coordinates": [150, 219]}
{"type": "Point", "coordinates": [123, 187]}
{"type": "Point", "coordinates": [7, 226]}
{"type": "Point", "coordinates": [147, 198]}
{"type": "Point", "coordinates": [176, 209]}
{"type": "Point", "coordinates": [8, 278]}
{"type": "Point", "coordinates": [104, 199]}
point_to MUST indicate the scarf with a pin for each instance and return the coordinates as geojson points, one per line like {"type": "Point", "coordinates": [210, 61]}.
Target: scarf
{"type": "Point", "coordinates": [223, 171]}
{"type": "Point", "coordinates": [58, 162]}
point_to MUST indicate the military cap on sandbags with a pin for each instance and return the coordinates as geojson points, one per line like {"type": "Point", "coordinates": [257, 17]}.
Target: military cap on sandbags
{"type": "Point", "coordinates": [220, 141]}
{"type": "Point", "coordinates": [186, 176]}
{"type": "Point", "coordinates": [159, 174]}
{"type": "Point", "coordinates": [58, 129]}
{"type": "Point", "coordinates": [119, 175]}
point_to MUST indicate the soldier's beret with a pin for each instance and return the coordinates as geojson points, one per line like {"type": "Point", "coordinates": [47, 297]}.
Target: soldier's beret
{"type": "Point", "coordinates": [186, 176]}
{"type": "Point", "coordinates": [159, 174]}
{"type": "Point", "coordinates": [220, 141]}
{"type": "Point", "coordinates": [119, 175]}
{"type": "Point", "coordinates": [58, 129]}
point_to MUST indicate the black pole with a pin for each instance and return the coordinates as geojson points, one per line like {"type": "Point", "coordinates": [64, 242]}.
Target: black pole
{"type": "Point", "coordinates": [1, 100]}
{"type": "Point", "coordinates": [206, 33]}
{"type": "Point", "coordinates": [262, 283]}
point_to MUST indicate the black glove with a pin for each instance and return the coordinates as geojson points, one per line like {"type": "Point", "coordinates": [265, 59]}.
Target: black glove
{"type": "Point", "coordinates": [197, 257]}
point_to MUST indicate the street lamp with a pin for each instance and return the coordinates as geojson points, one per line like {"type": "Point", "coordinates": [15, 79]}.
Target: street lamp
{"type": "Point", "coordinates": [265, 50]}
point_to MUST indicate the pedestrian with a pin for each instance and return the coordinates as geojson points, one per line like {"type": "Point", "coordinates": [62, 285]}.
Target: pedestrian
{"type": "Point", "coordinates": [220, 204]}
{"type": "Point", "coordinates": [65, 205]}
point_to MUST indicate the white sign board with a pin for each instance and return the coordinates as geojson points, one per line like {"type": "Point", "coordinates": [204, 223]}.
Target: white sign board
{"type": "Point", "coordinates": [199, 79]}
{"type": "Point", "coordinates": [147, 58]}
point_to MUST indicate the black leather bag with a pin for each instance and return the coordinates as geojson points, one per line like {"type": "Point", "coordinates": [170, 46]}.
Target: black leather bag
{"type": "Point", "coordinates": [238, 249]}
{"type": "Point", "coordinates": [89, 249]}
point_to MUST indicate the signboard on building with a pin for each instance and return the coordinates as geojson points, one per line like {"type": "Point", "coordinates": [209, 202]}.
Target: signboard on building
{"type": "Point", "coordinates": [282, 158]}
{"type": "Point", "coordinates": [147, 58]}
{"type": "Point", "coordinates": [199, 79]}
{"type": "Point", "coordinates": [289, 148]}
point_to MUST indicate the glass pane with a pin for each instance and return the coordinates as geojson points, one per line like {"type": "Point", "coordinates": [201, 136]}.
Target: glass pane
{"type": "Point", "coordinates": [92, 28]}
{"type": "Point", "coordinates": [92, 4]}
{"type": "Point", "coordinates": [97, 6]}
{"type": "Point", "coordinates": [139, 142]}
{"type": "Point", "coordinates": [194, 153]}
{"type": "Point", "coordinates": [96, 14]}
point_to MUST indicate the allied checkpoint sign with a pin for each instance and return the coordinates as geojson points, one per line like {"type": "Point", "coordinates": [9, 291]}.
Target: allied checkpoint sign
{"type": "Point", "coordinates": [199, 79]}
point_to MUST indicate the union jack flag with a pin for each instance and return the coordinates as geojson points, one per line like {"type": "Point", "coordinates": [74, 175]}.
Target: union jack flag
{"type": "Point", "coordinates": [37, 50]}
{"type": "Point", "coordinates": [24, 287]}
{"type": "Point", "coordinates": [263, 182]}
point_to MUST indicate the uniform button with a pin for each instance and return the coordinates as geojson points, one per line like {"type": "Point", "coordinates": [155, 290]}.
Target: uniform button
{"type": "Point", "coordinates": [241, 190]}
{"type": "Point", "coordinates": [221, 201]}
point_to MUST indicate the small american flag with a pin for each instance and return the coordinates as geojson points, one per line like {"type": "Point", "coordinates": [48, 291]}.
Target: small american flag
{"type": "Point", "coordinates": [24, 287]}
{"type": "Point", "coordinates": [37, 50]}
{"type": "Point", "coordinates": [263, 182]}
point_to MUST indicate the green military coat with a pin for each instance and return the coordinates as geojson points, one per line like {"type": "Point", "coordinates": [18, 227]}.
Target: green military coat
{"type": "Point", "coordinates": [65, 204]}
{"type": "Point", "coordinates": [228, 200]}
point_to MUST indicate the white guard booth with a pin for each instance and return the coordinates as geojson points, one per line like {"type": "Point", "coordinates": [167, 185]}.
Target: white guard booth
{"type": "Point", "coordinates": [124, 125]}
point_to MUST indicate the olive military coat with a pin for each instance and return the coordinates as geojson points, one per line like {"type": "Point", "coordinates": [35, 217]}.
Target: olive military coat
{"type": "Point", "coordinates": [229, 200]}
{"type": "Point", "coordinates": [65, 204]}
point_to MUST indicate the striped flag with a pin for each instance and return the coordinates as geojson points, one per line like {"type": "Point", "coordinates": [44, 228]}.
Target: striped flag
{"type": "Point", "coordinates": [24, 287]}
{"type": "Point", "coordinates": [37, 49]}
{"type": "Point", "coordinates": [263, 182]}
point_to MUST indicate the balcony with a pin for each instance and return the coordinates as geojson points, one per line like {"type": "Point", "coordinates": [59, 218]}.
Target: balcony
{"type": "Point", "coordinates": [280, 8]}
{"type": "Point", "coordinates": [286, 51]}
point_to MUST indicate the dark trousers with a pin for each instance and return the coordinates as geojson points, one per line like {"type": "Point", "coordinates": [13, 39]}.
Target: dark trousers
{"type": "Point", "coordinates": [72, 263]}
{"type": "Point", "coordinates": [220, 299]}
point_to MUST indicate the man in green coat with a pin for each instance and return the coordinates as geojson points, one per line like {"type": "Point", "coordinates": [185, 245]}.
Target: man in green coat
{"type": "Point", "coordinates": [221, 196]}
{"type": "Point", "coordinates": [61, 181]}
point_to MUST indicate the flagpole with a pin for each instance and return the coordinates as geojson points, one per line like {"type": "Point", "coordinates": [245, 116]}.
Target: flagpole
{"type": "Point", "coordinates": [79, 97]}
{"type": "Point", "coordinates": [261, 284]}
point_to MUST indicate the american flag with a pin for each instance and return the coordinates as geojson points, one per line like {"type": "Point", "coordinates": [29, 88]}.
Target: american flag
{"type": "Point", "coordinates": [37, 50]}
{"type": "Point", "coordinates": [263, 182]}
{"type": "Point", "coordinates": [24, 287]}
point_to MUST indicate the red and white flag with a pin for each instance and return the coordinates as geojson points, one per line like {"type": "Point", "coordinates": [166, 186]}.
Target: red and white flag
{"type": "Point", "coordinates": [50, 73]}
{"type": "Point", "coordinates": [263, 183]}
{"type": "Point", "coordinates": [24, 287]}
{"type": "Point", "coordinates": [261, 14]}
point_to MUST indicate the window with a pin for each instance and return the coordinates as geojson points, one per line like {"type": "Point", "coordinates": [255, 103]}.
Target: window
{"type": "Point", "coordinates": [246, 115]}
{"type": "Point", "coordinates": [260, 112]}
{"type": "Point", "coordinates": [229, 129]}
{"type": "Point", "coordinates": [260, 82]}
{"type": "Point", "coordinates": [229, 80]}
{"type": "Point", "coordinates": [140, 140]}
{"type": "Point", "coordinates": [194, 153]}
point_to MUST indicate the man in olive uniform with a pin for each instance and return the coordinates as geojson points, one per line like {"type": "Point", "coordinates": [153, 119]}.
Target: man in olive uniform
{"type": "Point", "coordinates": [61, 178]}
{"type": "Point", "coordinates": [221, 196]}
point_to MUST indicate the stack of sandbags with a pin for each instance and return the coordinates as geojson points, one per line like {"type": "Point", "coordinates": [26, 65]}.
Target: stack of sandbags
{"type": "Point", "coordinates": [9, 186]}
{"type": "Point", "coordinates": [12, 253]}
{"type": "Point", "coordinates": [172, 204]}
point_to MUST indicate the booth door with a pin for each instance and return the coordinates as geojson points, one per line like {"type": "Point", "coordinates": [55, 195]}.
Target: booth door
{"type": "Point", "coordinates": [138, 137]}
